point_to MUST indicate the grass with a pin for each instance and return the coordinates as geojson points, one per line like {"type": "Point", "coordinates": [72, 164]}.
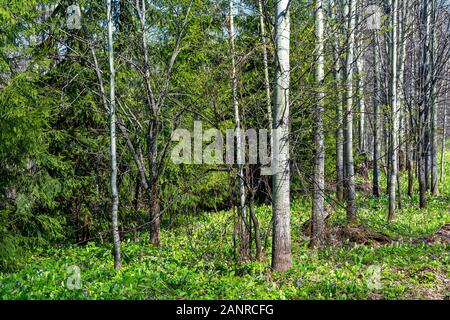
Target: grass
{"type": "Point", "coordinates": [196, 261]}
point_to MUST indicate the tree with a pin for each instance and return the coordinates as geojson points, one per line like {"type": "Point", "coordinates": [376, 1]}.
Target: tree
{"type": "Point", "coordinates": [423, 109]}
{"type": "Point", "coordinates": [156, 92]}
{"type": "Point", "coordinates": [360, 66]}
{"type": "Point", "coordinates": [265, 60]}
{"type": "Point", "coordinates": [242, 220]}
{"type": "Point", "coordinates": [394, 113]}
{"type": "Point", "coordinates": [281, 245]}
{"type": "Point", "coordinates": [376, 116]}
{"type": "Point", "coordinates": [339, 109]}
{"type": "Point", "coordinates": [444, 131]}
{"type": "Point", "coordinates": [318, 218]}
{"type": "Point", "coordinates": [112, 135]}
{"type": "Point", "coordinates": [433, 117]}
{"type": "Point", "coordinates": [348, 145]}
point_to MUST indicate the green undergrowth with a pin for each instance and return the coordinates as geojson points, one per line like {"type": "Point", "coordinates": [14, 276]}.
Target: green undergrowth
{"type": "Point", "coordinates": [197, 261]}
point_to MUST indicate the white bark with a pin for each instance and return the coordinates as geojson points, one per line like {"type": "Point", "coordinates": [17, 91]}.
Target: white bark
{"type": "Point", "coordinates": [433, 105]}
{"type": "Point", "coordinates": [425, 23]}
{"type": "Point", "coordinates": [394, 113]}
{"type": "Point", "coordinates": [361, 97]}
{"type": "Point", "coordinates": [112, 135]}
{"type": "Point", "coordinates": [339, 110]}
{"type": "Point", "coordinates": [362, 105]}
{"type": "Point", "coordinates": [349, 163]}
{"type": "Point", "coordinates": [444, 132]}
{"type": "Point", "coordinates": [318, 217]}
{"type": "Point", "coordinates": [376, 117]}
{"type": "Point", "coordinates": [281, 247]}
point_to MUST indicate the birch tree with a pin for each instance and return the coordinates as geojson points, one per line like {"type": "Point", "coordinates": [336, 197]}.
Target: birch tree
{"type": "Point", "coordinates": [318, 218]}
{"type": "Point", "coordinates": [348, 146]}
{"type": "Point", "coordinates": [376, 116]}
{"type": "Point", "coordinates": [394, 113]}
{"type": "Point", "coordinates": [281, 243]}
{"type": "Point", "coordinates": [433, 117]}
{"type": "Point", "coordinates": [403, 24]}
{"type": "Point", "coordinates": [360, 66]}
{"type": "Point", "coordinates": [339, 108]}
{"type": "Point", "coordinates": [423, 102]}
{"type": "Point", "coordinates": [444, 132]}
{"type": "Point", "coordinates": [112, 136]}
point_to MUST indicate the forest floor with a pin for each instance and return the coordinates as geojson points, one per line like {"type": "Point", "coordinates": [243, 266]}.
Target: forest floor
{"type": "Point", "coordinates": [196, 261]}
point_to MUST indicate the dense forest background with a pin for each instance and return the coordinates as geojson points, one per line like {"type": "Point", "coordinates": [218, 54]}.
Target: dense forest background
{"type": "Point", "coordinates": [92, 91]}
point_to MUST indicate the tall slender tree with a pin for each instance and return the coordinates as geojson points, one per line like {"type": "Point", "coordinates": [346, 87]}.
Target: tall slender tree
{"type": "Point", "coordinates": [423, 109]}
{"type": "Point", "coordinates": [265, 60]}
{"type": "Point", "coordinates": [318, 217]}
{"type": "Point", "coordinates": [348, 146]}
{"type": "Point", "coordinates": [242, 227]}
{"type": "Point", "coordinates": [433, 105]}
{"type": "Point", "coordinates": [112, 136]}
{"type": "Point", "coordinates": [360, 67]}
{"type": "Point", "coordinates": [281, 246]}
{"type": "Point", "coordinates": [444, 132]}
{"type": "Point", "coordinates": [394, 113]}
{"type": "Point", "coordinates": [376, 117]}
{"type": "Point", "coordinates": [339, 105]}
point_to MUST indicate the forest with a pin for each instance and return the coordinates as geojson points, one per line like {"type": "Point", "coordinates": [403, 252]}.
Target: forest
{"type": "Point", "coordinates": [224, 149]}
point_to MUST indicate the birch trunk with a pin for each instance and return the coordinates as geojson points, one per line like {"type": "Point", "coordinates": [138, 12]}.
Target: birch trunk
{"type": "Point", "coordinates": [412, 128]}
{"type": "Point", "coordinates": [348, 145]}
{"type": "Point", "coordinates": [318, 217]}
{"type": "Point", "coordinates": [433, 137]}
{"type": "Point", "coordinates": [376, 119]}
{"type": "Point", "coordinates": [444, 132]}
{"type": "Point", "coordinates": [394, 114]}
{"type": "Point", "coordinates": [112, 135]}
{"type": "Point", "coordinates": [281, 246]}
{"type": "Point", "coordinates": [339, 113]}
{"type": "Point", "coordinates": [403, 23]}
{"type": "Point", "coordinates": [360, 85]}
{"type": "Point", "coordinates": [422, 153]}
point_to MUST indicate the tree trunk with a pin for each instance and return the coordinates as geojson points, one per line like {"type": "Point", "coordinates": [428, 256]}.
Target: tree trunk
{"type": "Point", "coordinates": [412, 129]}
{"type": "Point", "coordinates": [376, 120]}
{"type": "Point", "coordinates": [243, 227]}
{"type": "Point", "coordinates": [112, 135]}
{"type": "Point", "coordinates": [265, 61]}
{"type": "Point", "coordinates": [339, 116]}
{"type": "Point", "coordinates": [444, 131]}
{"type": "Point", "coordinates": [349, 163]}
{"type": "Point", "coordinates": [360, 85]}
{"type": "Point", "coordinates": [318, 217]}
{"type": "Point", "coordinates": [422, 153]}
{"type": "Point", "coordinates": [259, 251]}
{"type": "Point", "coordinates": [433, 136]}
{"type": "Point", "coordinates": [394, 114]}
{"type": "Point", "coordinates": [155, 225]}
{"type": "Point", "coordinates": [281, 245]}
